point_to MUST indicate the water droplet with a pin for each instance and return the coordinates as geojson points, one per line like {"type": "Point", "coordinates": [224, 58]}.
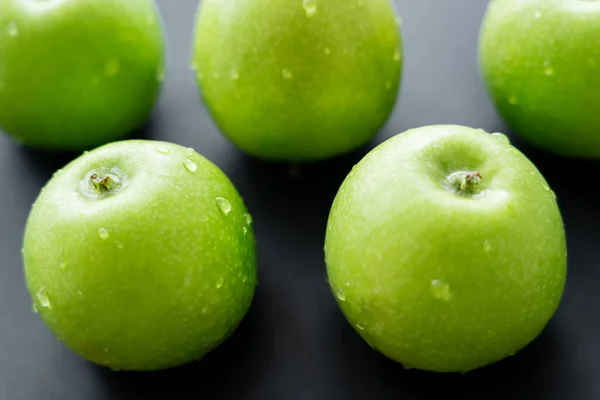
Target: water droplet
{"type": "Point", "coordinates": [501, 137]}
{"type": "Point", "coordinates": [12, 29]}
{"type": "Point", "coordinates": [537, 15]}
{"type": "Point", "coordinates": [62, 265]}
{"type": "Point", "coordinates": [547, 188]}
{"type": "Point", "coordinates": [119, 244]}
{"type": "Point", "coordinates": [219, 282]}
{"type": "Point", "coordinates": [548, 69]}
{"type": "Point", "coordinates": [112, 67]}
{"type": "Point", "coordinates": [79, 292]}
{"type": "Point", "coordinates": [34, 308]}
{"type": "Point", "coordinates": [248, 218]}
{"type": "Point", "coordinates": [340, 295]}
{"type": "Point", "coordinates": [162, 150]}
{"type": "Point", "coordinates": [310, 7]}
{"type": "Point", "coordinates": [397, 54]}
{"type": "Point", "coordinates": [245, 230]}
{"type": "Point", "coordinates": [105, 350]}
{"type": "Point", "coordinates": [235, 75]}
{"type": "Point", "coordinates": [43, 299]}
{"type": "Point", "coordinates": [360, 326]}
{"type": "Point", "coordinates": [223, 204]}
{"type": "Point", "coordinates": [487, 246]}
{"type": "Point", "coordinates": [103, 233]}
{"type": "Point", "coordinates": [244, 278]}
{"type": "Point", "coordinates": [216, 75]}
{"type": "Point", "coordinates": [440, 290]}
{"type": "Point", "coordinates": [327, 50]}
{"type": "Point", "coordinates": [512, 99]}
{"type": "Point", "coordinates": [553, 194]}
{"type": "Point", "coordinates": [287, 74]}
{"type": "Point", "coordinates": [190, 165]}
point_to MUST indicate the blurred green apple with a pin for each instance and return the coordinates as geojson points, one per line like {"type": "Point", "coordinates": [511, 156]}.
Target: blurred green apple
{"type": "Point", "coordinates": [140, 255]}
{"type": "Point", "coordinates": [540, 60]}
{"type": "Point", "coordinates": [298, 80]}
{"type": "Point", "coordinates": [445, 249]}
{"type": "Point", "coordinates": [78, 73]}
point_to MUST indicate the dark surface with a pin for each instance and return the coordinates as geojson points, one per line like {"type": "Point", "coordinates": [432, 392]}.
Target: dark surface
{"type": "Point", "coordinates": [295, 343]}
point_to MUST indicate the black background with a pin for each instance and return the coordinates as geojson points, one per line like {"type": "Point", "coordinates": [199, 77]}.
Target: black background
{"type": "Point", "coordinates": [295, 343]}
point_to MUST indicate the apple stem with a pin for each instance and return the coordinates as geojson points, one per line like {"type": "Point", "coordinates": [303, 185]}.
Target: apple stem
{"type": "Point", "coordinates": [104, 184]}
{"type": "Point", "coordinates": [464, 182]}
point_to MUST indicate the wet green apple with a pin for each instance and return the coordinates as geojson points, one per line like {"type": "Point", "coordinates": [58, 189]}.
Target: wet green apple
{"type": "Point", "coordinates": [540, 61]}
{"type": "Point", "coordinates": [298, 80]}
{"type": "Point", "coordinates": [445, 249]}
{"type": "Point", "coordinates": [75, 74]}
{"type": "Point", "coordinates": [140, 255]}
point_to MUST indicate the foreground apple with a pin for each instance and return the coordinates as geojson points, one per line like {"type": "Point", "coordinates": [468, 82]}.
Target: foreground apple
{"type": "Point", "coordinates": [78, 73]}
{"type": "Point", "coordinates": [540, 60]}
{"type": "Point", "coordinates": [140, 255]}
{"type": "Point", "coordinates": [445, 249]}
{"type": "Point", "coordinates": [298, 80]}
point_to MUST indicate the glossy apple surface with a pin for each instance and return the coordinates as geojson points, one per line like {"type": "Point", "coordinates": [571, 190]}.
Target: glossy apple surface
{"type": "Point", "coordinates": [540, 60]}
{"type": "Point", "coordinates": [298, 80]}
{"type": "Point", "coordinates": [140, 255]}
{"type": "Point", "coordinates": [445, 249]}
{"type": "Point", "coordinates": [75, 74]}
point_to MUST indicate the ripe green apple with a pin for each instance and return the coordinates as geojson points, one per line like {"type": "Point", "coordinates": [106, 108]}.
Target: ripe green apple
{"type": "Point", "coordinates": [140, 255]}
{"type": "Point", "coordinates": [445, 249]}
{"type": "Point", "coordinates": [78, 73]}
{"type": "Point", "coordinates": [540, 61]}
{"type": "Point", "coordinates": [298, 80]}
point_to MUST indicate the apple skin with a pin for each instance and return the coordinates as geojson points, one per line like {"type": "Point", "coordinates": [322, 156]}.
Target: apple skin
{"type": "Point", "coordinates": [440, 281]}
{"type": "Point", "coordinates": [540, 60]}
{"type": "Point", "coordinates": [155, 275]}
{"type": "Point", "coordinates": [75, 74]}
{"type": "Point", "coordinates": [298, 81]}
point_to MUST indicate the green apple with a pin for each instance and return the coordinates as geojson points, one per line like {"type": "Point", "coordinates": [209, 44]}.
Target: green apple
{"type": "Point", "coordinates": [298, 80]}
{"type": "Point", "coordinates": [140, 255]}
{"type": "Point", "coordinates": [75, 74]}
{"type": "Point", "coordinates": [540, 60]}
{"type": "Point", "coordinates": [445, 249]}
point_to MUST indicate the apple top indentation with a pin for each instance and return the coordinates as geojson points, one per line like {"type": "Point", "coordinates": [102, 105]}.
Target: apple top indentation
{"type": "Point", "coordinates": [463, 182]}
{"type": "Point", "coordinates": [103, 183]}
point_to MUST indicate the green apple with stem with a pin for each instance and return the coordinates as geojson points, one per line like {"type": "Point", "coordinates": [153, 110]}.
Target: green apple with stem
{"type": "Point", "coordinates": [140, 255]}
{"type": "Point", "coordinates": [445, 249]}
{"type": "Point", "coordinates": [75, 74]}
{"type": "Point", "coordinates": [540, 61]}
{"type": "Point", "coordinates": [298, 80]}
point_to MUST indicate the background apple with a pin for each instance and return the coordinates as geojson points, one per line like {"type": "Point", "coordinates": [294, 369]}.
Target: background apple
{"type": "Point", "coordinates": [140, 255]}
{"type": "Point", "coordinates": [300, 80]}
{"type": "Point", "coordinates": [78, 73]}
{"type": "Point", "coordinates": [445, 249]}
{"type": "Point", "coordinates": [540, 61]}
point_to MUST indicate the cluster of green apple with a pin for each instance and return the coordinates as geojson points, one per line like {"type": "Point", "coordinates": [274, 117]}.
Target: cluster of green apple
{"type": "Point", "coordinates": [445, 246]}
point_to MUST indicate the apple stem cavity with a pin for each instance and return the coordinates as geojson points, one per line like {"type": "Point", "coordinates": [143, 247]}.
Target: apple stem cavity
{"type": "Point", "coordinates": [99, 185]}
{"type": "Point", "coordinates": [105, 183]}
{"type": "Point", "coordinates": [464, 183]}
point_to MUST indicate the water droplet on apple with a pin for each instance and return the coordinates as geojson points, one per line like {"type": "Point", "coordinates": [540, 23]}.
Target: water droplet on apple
{"type": "Point", "coordinates": [327, 51]}
{"type": "Point", "coordinates": [43, 299]}
{"type": "Point", "coordinates": [310, 7]}
{"type": "Point", "coordinates": [340, 295]}
{"type": "Point", "coordinates": [219, 282]}
{"type": "Point", "coordinates": [34, 308]}
{"type": "Point", "coordinates": [216, 75]}
{"type": "Point", "coordinates": [112, 67]}
{"type": "Point", "coordinates": [501, 136]}
{"type": "Point", "coordinates": [12, 29]}
{"type": "Point", "coordinates": [204, 310]}
{"type": "Point", "coordinates": [553, 194]}
{"type": "Point", "coordinates": [287, 74]}
{"type": "Point", "coordinates": [190, 151]}
{"type": "Point", "coordinates": [162, 150]}
{"type": "Point", "coordinates": [105, 350]}
{"type": "Point", "coordinates": [487, 246]}
{"type": "Point", "coordinates": [190, 165]}
{"type": "Point", "coordinates": [248, 218]}
{"type": "Point", "coordinates": [397, 55]}
{"type": "Point", "coordinates": [103, 233]}
{"type": "Point", "coordinates": [512, 99]}
{"type": "Point", "coordinates": [79, 292]}
{"type": "Point", "coordinates": [223, 204]}
{"type": "Point", "coordinates": [440, 290]}
{"type": "Point", "coordinates": [537, 15]}
{"type": "Point", "coordinates": [360, 326]}
{"type": "Point", "coordinates": [62, 265]}
{"type": "Point", "coordinates": [546, 187]}
{"type": "Point", "coordinates": [245, 230]}
{"type": "Point", "coordinates": [235, 75]}
{"type": "Point", "coordinates": [244, 278]}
